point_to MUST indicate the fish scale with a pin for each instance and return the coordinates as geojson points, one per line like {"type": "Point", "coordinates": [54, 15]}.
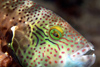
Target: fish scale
{"type": "Point", "coordinates": [43, 39]}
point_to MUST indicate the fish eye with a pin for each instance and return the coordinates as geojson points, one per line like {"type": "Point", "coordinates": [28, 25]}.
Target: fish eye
{"type": "Point", "coordinates": [56, 32]}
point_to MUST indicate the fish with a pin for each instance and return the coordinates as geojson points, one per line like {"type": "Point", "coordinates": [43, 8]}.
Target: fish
{"type": "Point", "coordinates": [42, 38]}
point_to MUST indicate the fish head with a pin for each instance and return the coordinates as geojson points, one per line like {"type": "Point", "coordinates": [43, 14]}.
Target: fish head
{"type": "Point", "coordinates": [42, 38]}
{"type": "Point", "coordinates": [60, 45]}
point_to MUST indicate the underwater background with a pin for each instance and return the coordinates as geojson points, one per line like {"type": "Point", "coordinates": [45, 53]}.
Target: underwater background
{"type": "Point", "coordinates": [83, 15]}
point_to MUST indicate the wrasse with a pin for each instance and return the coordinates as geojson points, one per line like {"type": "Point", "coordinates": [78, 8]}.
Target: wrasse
{"type": "Point", "coordinates": [43, 39]}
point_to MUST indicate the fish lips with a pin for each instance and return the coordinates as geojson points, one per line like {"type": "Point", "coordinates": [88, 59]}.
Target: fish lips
{"type": "Point", "coordinates": [87, 57]}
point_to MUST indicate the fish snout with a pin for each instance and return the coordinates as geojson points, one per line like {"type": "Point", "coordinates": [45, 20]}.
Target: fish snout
{"type": "Point", "coordinates": [85, 55]}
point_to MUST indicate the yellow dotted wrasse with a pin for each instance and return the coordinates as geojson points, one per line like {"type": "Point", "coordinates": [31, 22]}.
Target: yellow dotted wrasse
{"type": "Point", "coordinates": [43, 39]}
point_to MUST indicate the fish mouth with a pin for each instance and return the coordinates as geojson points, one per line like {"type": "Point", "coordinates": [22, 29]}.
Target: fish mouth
{"type": "Point", "coordinates": [85, 55]}
{"type": "Point", "coordinates": [90, 52]}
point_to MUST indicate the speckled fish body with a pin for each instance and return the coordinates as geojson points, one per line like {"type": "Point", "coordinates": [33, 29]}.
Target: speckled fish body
{"type": "Point", "coordinates": [43, 39]}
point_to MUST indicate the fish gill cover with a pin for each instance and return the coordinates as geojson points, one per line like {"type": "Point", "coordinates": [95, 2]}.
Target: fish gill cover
{"type": "Point", "coordinates": [43, 39]}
